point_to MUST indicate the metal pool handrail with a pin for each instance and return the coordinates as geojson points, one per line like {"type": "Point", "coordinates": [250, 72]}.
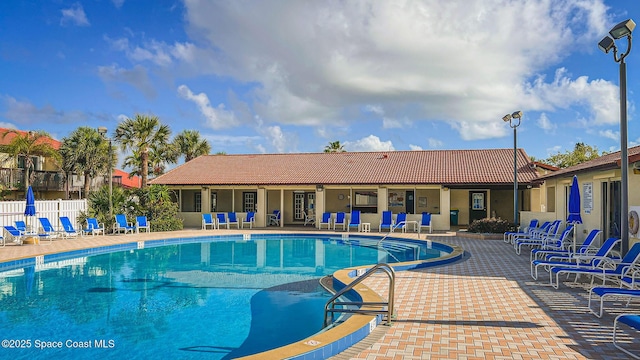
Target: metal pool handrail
{"type": "Point", "coordinates": [330, 306]}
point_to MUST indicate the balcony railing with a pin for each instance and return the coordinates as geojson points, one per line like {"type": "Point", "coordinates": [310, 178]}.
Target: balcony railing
{"type": "Point", "coordinates": [13, 179]}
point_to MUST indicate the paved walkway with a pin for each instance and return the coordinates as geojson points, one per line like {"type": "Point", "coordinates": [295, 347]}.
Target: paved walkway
{"type": "Point", "coordinates": [487, 306]}
{"type": "Point", "coordinates": [483, 307]}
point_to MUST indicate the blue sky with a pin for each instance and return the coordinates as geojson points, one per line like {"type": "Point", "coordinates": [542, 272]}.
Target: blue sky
{"type": "Point", "coordinates": [292, 76]}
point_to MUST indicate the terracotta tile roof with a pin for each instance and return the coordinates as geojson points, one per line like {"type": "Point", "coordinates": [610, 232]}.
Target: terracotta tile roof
{"type": "Point", "coordinates": [448, 167]}
{"type": "Point", "coordinates": [605, 162]}
{"type": "Point", "coordinates": [133, 182]}
{"type": "Point", "coordinates": [5, 140]}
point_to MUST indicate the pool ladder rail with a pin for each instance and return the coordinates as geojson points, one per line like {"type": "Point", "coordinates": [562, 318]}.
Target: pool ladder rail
{"type": "Point", "coordinates": [385, 308]}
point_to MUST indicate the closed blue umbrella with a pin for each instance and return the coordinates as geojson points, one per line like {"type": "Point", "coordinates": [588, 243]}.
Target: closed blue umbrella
{"type": "Point", "coordinates": [574, 208]}
{"type": "Point", "coordinates": [30, 209]}
{"type": "Point", "coordinates": [574, 203]}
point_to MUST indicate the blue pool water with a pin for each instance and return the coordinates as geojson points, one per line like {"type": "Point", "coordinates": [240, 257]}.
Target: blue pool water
{"type": "Point", "coordinates": [201, 298]}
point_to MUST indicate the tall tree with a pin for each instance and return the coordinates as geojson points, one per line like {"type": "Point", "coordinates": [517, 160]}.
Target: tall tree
{"type": "Point", "coordinates": [138, 135]}
{"type": "Point", "coordinates": [333, 147]}
{"type": "Point", "coordinates": [580, 153]}
{"type": "Point", "coordinates": [86, 152]}
{"type": "Point", "coordinates": [190, 145]}
{"type": "Point", "coordinates": [26, 146]}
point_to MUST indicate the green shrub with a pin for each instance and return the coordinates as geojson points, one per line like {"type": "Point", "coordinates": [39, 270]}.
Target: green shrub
{"type": "Point", "coordinates": [490, 226]}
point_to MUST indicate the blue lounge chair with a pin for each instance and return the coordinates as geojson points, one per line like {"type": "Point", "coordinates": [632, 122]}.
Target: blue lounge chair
{"type": "Point", "coordinates": [14, 234]}
{"type": "Point", "coordinates": [425, 222]}
{"type": "Point", "coordinates": [605, 291]}
{"type": "Point", "coordinates": [21, 226]}
{"type": "Point", "coordinates": [401, 222]}
{"type": "Point", "coordinates": [589, 245]}
{"type": "Point", "coordinates": [326, 220]}
{"type": "Point", "coordinates": [122, 225]}
{"type": "Point", "coordinates": [354, 222]}
{"type": "Point", "coordinates": [142, 223]}
{"type": "Point", "coordinates": [604, 267]}
{"type": "Point", "coordinates": [538, 239]}
{"type": "Point", "coordinates": [67, 228]}
{"type": "Point", "coordinates": [525, 232]}
{"type": "Point", "coordinates": [590, 260]}
{"type": "Point", "coordinates": [233, 219]}
{"type": "Point", "coordinates": [221, 219]}
{"type": "Point", "coordinates": [386, 222]}
{"type": "Point", "coordinates": [93, 227]}
{"type": "Point", "coordinates": [532, 233]}
{"type": "Point", "coordinates": [207, 221]}
{"type": "Point", "coordinates": [631, 320]}
{"type": "Point", "coordinates": [47, 230]}
{"type": "Point", "coordinates": [250, 219]}
{"type": "Point", "coordinates": [341, 219]}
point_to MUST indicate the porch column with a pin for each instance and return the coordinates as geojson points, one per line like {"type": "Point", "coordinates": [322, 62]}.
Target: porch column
{"type": "Point", "coordinates": [445, 206]}
{"type": "Point", "coordinates": [261, 208]}
{"type": "Point", "coordinates": [319, 205]}
{"type": "Point", "coordinates": [281, 208]}
{"type": "Point", "coordinates": [383, 199]}
{"type": "Point", "coordinates": [205, 200]}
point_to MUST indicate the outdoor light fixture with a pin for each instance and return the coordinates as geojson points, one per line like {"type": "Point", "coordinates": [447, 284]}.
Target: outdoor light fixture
{"type": "Point", "coordinates": [606, 44]}
{"type": "Point", "coordinates": [619, 31]}
{"type": "Point", "coordinates": [623, 29]}
{"type": "Point", "coordinates": [103, 132]}
{"type": "Point", "coordinates": [510, 119]}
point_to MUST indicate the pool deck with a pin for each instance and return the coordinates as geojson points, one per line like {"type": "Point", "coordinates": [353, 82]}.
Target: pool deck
{"type": "Point", "coordinates": [484, 306]}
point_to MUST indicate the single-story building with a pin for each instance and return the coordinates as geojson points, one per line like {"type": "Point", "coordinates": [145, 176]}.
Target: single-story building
{"type": "Point", "coordinates": [600, 191]}
{"type": "Point", "coordinates": [455, 186]}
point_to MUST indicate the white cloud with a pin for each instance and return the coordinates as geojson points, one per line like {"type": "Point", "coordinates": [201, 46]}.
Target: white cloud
{"type": "Point", "coordinates": [458, 60]}
{"type": "Point", "coordinates": [599, 96]}
{"type": "Point", "coordinates": [218, 117]}
{"type": "Point", "coordinates": [74, 15]}
{"type": "Point", "coordinates": [369, 143]}
{"type": "Point", "coordinates": [415, 147]}
{"type": "Point", "coordinates": [157, 52]}
{"type": "Point", "coordinates": [545, 124]}
{"type": "Point", "coordinates": [610, 134]}
{"type": "Point", "coordinates": [470, 130]}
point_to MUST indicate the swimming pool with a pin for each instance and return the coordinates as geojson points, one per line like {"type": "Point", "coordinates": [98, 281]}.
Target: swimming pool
{"type": "Point", "coordinates": [215, 297]}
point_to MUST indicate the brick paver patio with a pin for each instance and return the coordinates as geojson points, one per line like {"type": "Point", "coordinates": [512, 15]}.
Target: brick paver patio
{"type": "Point", "coordinates": [483, 307]}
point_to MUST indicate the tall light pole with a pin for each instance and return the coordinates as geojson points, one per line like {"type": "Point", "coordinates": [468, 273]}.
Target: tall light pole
{"type": "Point", "coordinates": [511, 119]}
{"type": "Point", "coordinates": [103, 132]}
{"type": "Point", "coordinates": [619, 31]}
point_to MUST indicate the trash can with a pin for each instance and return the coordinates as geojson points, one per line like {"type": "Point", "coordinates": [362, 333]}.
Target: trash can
{"type": "Point", "coordinates": [453, 217]}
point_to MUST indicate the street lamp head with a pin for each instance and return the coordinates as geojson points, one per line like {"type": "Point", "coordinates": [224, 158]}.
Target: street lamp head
{"type": "Point", "coordinates": [517, 114]}
{"type": "Point", "coordinates": [623, 29]}
{"type": "Point", "coordinates": [506, 118]}
{"type": "Point", "coordinates": [102, 131]}
{"type": "Point", "coordinates": [606, 44]}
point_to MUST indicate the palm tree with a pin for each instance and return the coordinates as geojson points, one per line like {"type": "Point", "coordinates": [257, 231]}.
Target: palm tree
{"type": "Point", "coordinates": [26, 145]}
{"type": "Point", "coordinates": [86, 152]}
{"type": "Point", "coordinates": [189, 144]}
{"type": "Point", "coordinates": [333, 147]}
{"type": "Point", "coordinates": [159, 156]}
{"type": "Point", "coordinates": [138, 135]}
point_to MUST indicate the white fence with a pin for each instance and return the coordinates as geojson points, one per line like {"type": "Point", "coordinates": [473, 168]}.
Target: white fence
{"type": "Point", "coordinates": [10, 211]}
